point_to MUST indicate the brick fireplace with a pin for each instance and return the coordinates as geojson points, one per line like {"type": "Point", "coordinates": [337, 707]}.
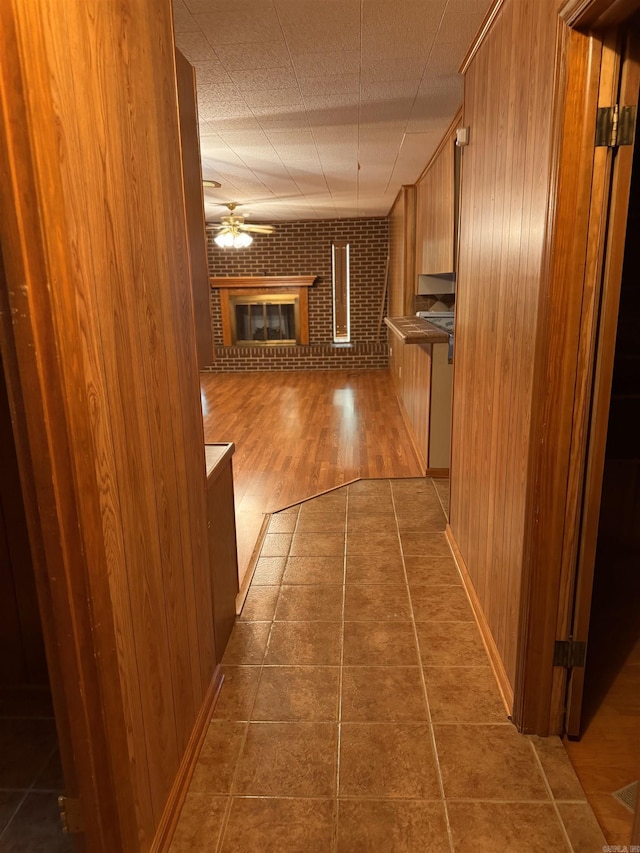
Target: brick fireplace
{"type": "Point", "coordinates": [303, 248]}
{"type": "Point", "coordinates": [264, 311]}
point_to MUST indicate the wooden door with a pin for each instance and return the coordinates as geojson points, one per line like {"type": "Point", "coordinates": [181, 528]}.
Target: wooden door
{"type": "Point", "coordinates": [620, 77]}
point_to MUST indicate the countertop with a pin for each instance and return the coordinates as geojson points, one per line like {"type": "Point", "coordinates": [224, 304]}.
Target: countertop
{"type": "Point", "coordinates": [415, 330]}
{"type": "Point", "coordinates": [215, 454]}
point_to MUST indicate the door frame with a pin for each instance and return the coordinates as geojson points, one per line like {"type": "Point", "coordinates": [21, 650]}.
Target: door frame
{"type": "Point", "coordinates": [611, 258]}
{"type": "Point", "coordinates": [564, 356]}
{"type": "Point", "coordinates": [70, 571]}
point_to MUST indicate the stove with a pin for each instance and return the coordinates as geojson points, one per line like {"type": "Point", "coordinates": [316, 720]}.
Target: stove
{"type": "Point", "coordinates": [442, 320]}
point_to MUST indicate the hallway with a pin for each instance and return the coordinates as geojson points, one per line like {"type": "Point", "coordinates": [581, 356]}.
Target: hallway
{"type": "Point", "coordinates": [359, 712]}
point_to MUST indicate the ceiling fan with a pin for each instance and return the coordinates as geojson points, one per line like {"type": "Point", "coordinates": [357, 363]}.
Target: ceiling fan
{"type": "Point", "coordinates": [233, 232]}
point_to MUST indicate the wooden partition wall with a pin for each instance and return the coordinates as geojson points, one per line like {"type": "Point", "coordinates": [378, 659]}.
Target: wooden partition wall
{"type": "Point", "coordinates": [402, 285]}
{"type": "Point", "coordinates": [99, 350]}
{"type": "Point", "coordinates": [507, 172]}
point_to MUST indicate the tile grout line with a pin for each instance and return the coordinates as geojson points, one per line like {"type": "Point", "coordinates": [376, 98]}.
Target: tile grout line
{"type": "Point", "coordinates": [424, 684]}
{"type": "Point", "coordinates": [227, 811]}
{"type": "Point", "coordinates": [445, 511]}
{"type": "Point", "coordinates": [551, 796]}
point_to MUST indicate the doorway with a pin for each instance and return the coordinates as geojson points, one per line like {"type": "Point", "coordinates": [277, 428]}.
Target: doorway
{"type": "Point", "coordinates": [607, 755]}
{"type": "Point", "coordinates": [31, 776]}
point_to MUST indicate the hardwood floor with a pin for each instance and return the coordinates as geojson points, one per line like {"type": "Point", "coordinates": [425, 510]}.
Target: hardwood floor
{"type": "Point", "coordinates": [300, 433]}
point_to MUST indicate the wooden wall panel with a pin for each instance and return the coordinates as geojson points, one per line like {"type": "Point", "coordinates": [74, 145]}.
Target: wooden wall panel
{"type": "Point", "coordinates": [93, 228]}
{"type": "Point", "coordinates": [402, 284]}
{"type": "Point", "coordinates": [506, 179]}
{"type": "Point", "coordinates": [435, 207]}
{"type": "Point", "coordinates": [194, 208]}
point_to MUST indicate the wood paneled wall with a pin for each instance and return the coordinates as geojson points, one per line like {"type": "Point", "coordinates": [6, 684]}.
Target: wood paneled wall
{"type": "Point", "coordinates": [194, 208]}
{"type": "Point", "coordinates": [97, 327]}
{"type": "Point", "coordinates": [402, 285]}
{"type": "Point", "coordinates": [506, 179]}
{"type": "Point", "coordinates": [435, 211]}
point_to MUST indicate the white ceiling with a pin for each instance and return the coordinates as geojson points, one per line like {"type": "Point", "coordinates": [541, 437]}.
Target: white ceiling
{"type": "Point", "coordinates": [314, 109]}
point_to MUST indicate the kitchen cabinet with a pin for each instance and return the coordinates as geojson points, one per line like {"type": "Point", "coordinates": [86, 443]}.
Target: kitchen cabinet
{"type": "Point", "coordinates": [422, 377]}
{"type": "Point", "coordinates": [437, 191]}
{"type": "Point", "coordinates": [223, 555]}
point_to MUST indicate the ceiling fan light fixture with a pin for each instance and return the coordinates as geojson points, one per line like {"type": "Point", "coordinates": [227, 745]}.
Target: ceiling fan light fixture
{"type": "Point", "coordinates": [224, 240]}
{"type": "Point", "coordinates": [233, 240]}
{"type": "Point", "coordinates": [242, 240]}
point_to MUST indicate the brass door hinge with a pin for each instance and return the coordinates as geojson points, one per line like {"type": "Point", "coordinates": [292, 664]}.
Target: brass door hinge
{"type": "Point", "coordinates": [615, 126]}
{"type": "Point", "coordinates": [569, 654]}
{"type": "Point", "coordinates": [70, 814]}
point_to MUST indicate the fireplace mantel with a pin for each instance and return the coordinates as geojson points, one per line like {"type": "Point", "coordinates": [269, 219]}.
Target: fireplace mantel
{"type": "Point", "coordinates": [261, 282]}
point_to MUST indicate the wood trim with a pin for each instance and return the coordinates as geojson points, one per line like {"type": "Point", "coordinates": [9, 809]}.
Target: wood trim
{"type": "Point", "coordinates": [412, 435]}
{"type": "Point", "coordinates": [194, 208]}
{"type": "Point", "coordinates": [550, 535]}
{"type": "Point", "coordinates": [262, 281]}
{"type": "Point", "coordinates": [437, 473]}
{"type": "Point", "coordinates": [592, 436]}
{"type": "Point", "coordinates": [303, 313]}
{"type": "Point", "coordinates": [175, 801]}
{"type": "Point", "coordinates": [597, 14]}
{"type": "Point", "coordinates": [410, 278]}
{"type": "Point", "coordinates": [495, 659]}
{"type": "Point", "coordinates": [444, 141]}
{"type": "Point", "coordinates": [485, 26]}
{"type": "Point", "coordinates": [301, 293]}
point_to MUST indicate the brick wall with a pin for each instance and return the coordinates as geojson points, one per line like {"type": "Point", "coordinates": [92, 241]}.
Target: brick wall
{"type": "Point", "coordinates": [304, 248]}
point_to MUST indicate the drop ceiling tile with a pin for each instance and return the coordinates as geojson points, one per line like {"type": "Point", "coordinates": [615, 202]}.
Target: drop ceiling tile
{"type": "Point", "coordinates": [213, 110]}
{"type": "Point", "coordinates": [240, 124]}
{"type": "Point", "coordinates": [194, 46]}
{"type": "Point", "coordinates": [281, 77]}
{"type": "Point", "coordinates": [330, 135]}
{"type": "Point", "coordinates": [209, 73]}
{"type": "Point", "coordinates": [301, 136]}
{"type": "Point", "coordinates": [392, 111]}
{"type": "Point", "coordinates": [289, 97]}
{"type": "Point", "coordinates": [334, 85]}
{"type": "Point", "coordinates": [292, 119]}
{"type": "Point", "coordinates": [439, 98]}
{"type": "Point", "coordinates": [222, 92]}
{"type": "Point", "coordinates": [211, 7]}
{"type": "Point", "coordinates": [444, 60]}
{"type": "Point", "coordinates": [327, 63]}
{"type": "Point", "coordinates": [321, 115]}
{"type": "Point", "coordinates": [332, 102]}
{"type": "Point", "coordinates": [236, 24]}
{"type": "Point", "coordinates": [415, 20]}
{"type": "Point", "coordinates": [346, 153]}
{"type": "Point", "coordinates": [290, 152]}
{"type": "Point", "coordinates": [183, 21]}
{"type": "Point", "coordinates": [374, 70]}
{"type": "Point", "coordinates": [304, 168]}
{"type": "Point", "coordinates": [252, 57]}
{"type": "Point", "coordinates": [461, 21]}
{"type": "Point", "coordinates": [261, 97]}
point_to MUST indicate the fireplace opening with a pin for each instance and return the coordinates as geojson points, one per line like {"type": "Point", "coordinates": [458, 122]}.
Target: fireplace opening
{"type": "Point", "coordinates": [263, 311]}
{"type": "Point", "coordinates": [264, 320]}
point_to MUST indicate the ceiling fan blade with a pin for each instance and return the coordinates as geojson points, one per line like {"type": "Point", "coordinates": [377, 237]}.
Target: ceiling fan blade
{"type": "Point", "coordinates": [257, 229]}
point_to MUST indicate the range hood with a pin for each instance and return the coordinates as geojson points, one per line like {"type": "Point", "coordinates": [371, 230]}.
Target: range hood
{"type": "Point", "coordinates": [437, 284]}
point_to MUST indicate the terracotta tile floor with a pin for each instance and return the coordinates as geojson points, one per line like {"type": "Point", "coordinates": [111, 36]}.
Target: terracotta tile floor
{"type": "Point", "coordinates": [359, 711]}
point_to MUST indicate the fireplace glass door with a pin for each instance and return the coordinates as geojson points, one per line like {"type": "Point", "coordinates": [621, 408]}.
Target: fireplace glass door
{"type": "Point", "coordinates": [264, 321]}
